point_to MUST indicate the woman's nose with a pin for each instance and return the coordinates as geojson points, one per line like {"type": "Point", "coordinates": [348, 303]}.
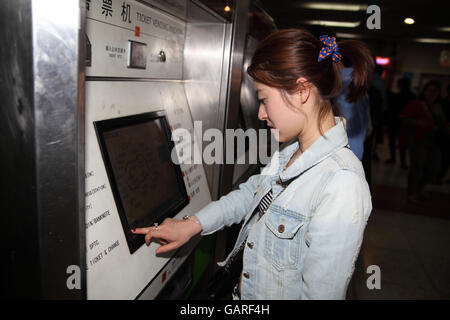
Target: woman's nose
{"type": "Point", "coordinates": [262, 115]}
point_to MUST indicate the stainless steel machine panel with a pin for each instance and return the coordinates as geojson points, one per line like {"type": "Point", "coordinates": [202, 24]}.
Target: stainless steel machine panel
{"type": "Point", "coordinates": [207, 54]}
{"type": "Point", "coordinates": [174, 7]}
{"type": "Point", "coordinates": [161, 35]}
{"type": "Point", "coordinates": [249, 109]}
{"type": "Point", "coordinates": [249, 100]}
{"type": "Point", "coordinates": [42, 104]}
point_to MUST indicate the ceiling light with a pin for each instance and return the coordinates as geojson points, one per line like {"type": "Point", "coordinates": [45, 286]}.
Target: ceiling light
{"type": "Point", "coordinates": [409, 21]}
{"type": "Point", "coordinates": [333, 6]}
{"type": "Point", "coordinates": [227, 9]}
{"type": "Point", "coordinates": [342, 35]}
{"type": "Point", "coordinates": [333, 23]}
{"type": "Point", "coordinates": [444, 29]}
{"type": "Point", "coordinates": [382, 61]}
{"type": "Point", "coordinates": [430, 40]}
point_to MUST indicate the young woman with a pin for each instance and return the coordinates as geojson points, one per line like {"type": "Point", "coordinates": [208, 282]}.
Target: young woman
{"type": "Point", "coordinates": [303, 222]}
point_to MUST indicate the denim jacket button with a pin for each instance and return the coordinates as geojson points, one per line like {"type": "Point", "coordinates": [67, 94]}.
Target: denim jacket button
{"type": "Point", "coordinates": [250, 245]}
{"type": "Point", "coordinates": [281, 228]}
{"type": "Point", "coordinates": [246, 275]}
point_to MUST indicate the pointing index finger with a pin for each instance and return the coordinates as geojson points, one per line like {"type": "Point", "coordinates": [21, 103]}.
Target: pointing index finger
{"type": "Point", "coordinates": [140, 230]}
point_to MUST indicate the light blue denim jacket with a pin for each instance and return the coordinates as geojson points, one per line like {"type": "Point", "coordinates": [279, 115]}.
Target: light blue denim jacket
{"type": "Point", "coordinates": [306, 244]}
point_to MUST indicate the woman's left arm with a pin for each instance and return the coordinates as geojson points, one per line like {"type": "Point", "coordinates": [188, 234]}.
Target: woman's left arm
{"type": "Point", "coordinates": [335, 235]}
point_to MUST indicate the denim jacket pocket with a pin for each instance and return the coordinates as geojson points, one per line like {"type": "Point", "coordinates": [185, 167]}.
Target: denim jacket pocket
{"type": "Point", "coordinates": [283, 239]}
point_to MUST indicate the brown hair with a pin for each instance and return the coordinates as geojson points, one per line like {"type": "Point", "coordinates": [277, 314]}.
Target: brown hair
{"type": "Point", "coordinates": [285, 55]}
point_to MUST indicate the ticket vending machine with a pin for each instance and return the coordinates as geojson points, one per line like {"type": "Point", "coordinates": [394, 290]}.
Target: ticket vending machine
{"type": "Point", "coordinates": [94, 90]}
{"type": "Point", "coordinates": [135, 98]}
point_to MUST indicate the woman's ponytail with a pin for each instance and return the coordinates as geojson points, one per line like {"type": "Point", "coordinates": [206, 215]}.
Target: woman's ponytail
{"type": "Point", "coordinates": [360, 59]}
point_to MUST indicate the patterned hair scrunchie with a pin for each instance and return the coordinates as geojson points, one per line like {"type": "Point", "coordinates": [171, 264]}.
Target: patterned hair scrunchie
{"type": "Point", "coordinates": [330, 48]}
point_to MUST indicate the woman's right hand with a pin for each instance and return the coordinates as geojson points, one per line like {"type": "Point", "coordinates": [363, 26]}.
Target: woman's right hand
{"type": "Point", "coordinates": [173, 233]}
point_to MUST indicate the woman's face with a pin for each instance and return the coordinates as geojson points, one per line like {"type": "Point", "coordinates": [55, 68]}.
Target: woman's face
{"type": "Point", "coordinates": [431, 93]}
{"type": "Point", "coordinates": [278, 113]}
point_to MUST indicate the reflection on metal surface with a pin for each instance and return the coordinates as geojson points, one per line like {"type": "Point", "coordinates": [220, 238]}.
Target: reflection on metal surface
{"type": "Point", "coordinates": [240, 29]}
{"type": "Point", "coordinates": [20, 254]}
{"type": "Point", "coordinates": [248, 110]}
{"type": "Point", "coordinates": [173, 7]}
{"type": "Point", "coordinates": [249, 100]}
{"type": "Point", "coordinates": [203, 69]}
{"type": "Point", "coordinates": [59, 58]}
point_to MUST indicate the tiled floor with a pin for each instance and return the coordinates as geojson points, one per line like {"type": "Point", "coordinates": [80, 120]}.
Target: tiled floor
{"type": "Point", "coordinates": [410, 243]}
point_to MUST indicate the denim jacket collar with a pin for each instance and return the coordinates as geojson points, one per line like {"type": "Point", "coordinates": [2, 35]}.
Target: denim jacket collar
{"type": "Point", "coordinates": [336, 138]}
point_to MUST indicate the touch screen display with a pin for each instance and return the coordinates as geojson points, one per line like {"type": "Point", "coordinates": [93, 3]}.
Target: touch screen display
{"type": "Point", "coordinates": [147, 185]}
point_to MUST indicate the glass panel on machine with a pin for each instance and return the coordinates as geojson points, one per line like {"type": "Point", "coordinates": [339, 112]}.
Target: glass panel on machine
{"type": "Point", "coordinates": [137, 55]}
{"type": "Point", "coordinates": [147, 185]}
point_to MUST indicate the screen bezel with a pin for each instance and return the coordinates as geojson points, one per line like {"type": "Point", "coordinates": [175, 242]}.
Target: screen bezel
{"type": "Point", "coordinates": [136, 241]}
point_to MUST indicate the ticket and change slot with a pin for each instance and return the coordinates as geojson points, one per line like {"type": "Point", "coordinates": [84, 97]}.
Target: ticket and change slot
{"type": "Point", "coordinates": [147, 186]}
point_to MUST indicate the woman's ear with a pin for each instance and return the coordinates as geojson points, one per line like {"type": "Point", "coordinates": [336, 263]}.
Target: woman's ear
{"type": "Point", "coordinates": [304, 89]}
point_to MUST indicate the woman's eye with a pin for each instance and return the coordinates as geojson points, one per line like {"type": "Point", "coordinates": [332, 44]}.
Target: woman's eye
{"type": "Point", "coordinates": [262, 101]}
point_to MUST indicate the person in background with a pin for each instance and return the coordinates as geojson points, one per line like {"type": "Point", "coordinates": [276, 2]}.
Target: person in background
{"type": "Point", "coordinates": [375, 102]}
{"type": "Point", "coordinates": [445, 143]}
{"type": "Point", "coordinates": [355, 111]}
{"type": "Point", "coordinates": [396, 105]}
{"type": "Point", "coordinates": [445, 103]}
{"type": "Point", "coordinates": [378, 113]}
{"type": "Point", "coordinates": [420, 132]}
